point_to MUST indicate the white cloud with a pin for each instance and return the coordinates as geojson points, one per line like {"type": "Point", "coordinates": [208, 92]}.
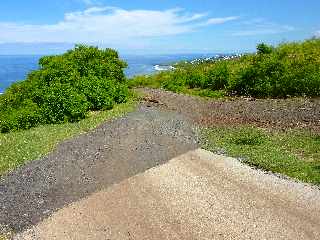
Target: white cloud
{"type": "Point", "coordinates": [220, 20]}
{"type": "Point", "coordinates": [317, 33]}
{"type": "Point", "coordinates": [109, 25]}
{"type": "Point", "coordinates": [90, 2]}
{"type": "Point", "coordinates": [261, 26]}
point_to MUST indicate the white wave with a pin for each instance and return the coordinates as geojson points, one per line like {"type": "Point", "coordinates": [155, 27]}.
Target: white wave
{"type": "Point", "coordinates": [163, 68]}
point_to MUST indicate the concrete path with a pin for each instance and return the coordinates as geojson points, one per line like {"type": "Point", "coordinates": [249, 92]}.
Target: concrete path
{"type": "Point", "coordinates": [197, 195]}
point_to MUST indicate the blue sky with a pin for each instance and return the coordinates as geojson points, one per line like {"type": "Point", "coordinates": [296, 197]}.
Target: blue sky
{"type": "Point", "coordinates": [145, 26]}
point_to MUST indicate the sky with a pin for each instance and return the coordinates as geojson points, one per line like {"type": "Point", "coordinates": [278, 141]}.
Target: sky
{"type": "Point", "coordinates": [154, 27]}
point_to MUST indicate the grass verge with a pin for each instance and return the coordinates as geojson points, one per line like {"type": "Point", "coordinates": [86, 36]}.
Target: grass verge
{"type": "Point", "coordinates": [295, 153]}
{"type": "Point", "coordinates": [16, 148]}
{"type": "Point", "coordinates": [156, 81]}
{"type": "Point", "coordinates": [205, 93]}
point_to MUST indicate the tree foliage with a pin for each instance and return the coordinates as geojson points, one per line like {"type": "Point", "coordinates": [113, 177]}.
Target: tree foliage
{"type": "Point", "coordinates": [64, 89]}
{"type": "Point", "coordinates": [263, 48]}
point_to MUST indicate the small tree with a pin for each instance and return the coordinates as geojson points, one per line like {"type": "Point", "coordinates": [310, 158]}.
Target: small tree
{"type": "Point", "coordinates": [263, 48]}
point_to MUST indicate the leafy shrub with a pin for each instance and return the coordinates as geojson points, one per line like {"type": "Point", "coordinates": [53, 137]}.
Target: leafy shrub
{"type": "Point", "coordinates": [141, 81]}
{"type": "Point", "coordinates": [290, 69]}
{"type": "Point", "coordinates": [151, 81]}
{"type": "Point", "coordinates": [195, 79]}
{"type": "Point", "coordinates": [25, 117]}
{"type": "Point", "coordinates": [62, 103]}
{"type": "Point", "coordinates": [263, 48]}
{"type": "Point", "coordinates": [218, 76]}
{"type": "Point", "coordinates": [100, 92]}
{"type": "Point", "coordinates": [65, 88]}
{"type": "Point", "coordinates": [121, 93]}
{"type": "Point", "coordinates": [176, 81]}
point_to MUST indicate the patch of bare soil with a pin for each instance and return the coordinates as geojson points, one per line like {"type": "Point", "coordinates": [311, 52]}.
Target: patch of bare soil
{"type": "Point", "coordinates": [276, 113]}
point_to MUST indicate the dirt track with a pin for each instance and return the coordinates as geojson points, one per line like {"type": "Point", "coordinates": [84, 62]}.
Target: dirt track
{"type": "Point", "coordinates": [275, 113]}
{"type": "Point", "coordinates": [88, 163]}
{"type": "Point", "coordinates": [198, 195]}
{"type": "Point", "coordinates": [116, 182]}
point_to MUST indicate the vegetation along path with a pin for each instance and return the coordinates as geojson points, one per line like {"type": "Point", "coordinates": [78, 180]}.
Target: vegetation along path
{"type": "Point", "coordinates": [144, 176]}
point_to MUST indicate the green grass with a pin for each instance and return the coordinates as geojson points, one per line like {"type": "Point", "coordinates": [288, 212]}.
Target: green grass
{"type": "Point", "coordinates": [150, 81]}
{"type": "Point", "coordinates": [19, 147]}
{"type": "Point", "coordinates": [155, 81]}
{"type": "Point", "coordinates": [205, 93]}
{"type": "Point", "coordinates": [295, 153]}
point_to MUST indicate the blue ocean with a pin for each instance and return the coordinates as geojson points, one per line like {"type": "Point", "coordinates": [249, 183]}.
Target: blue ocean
{"type": "Point", "coordinates": [16, 67]}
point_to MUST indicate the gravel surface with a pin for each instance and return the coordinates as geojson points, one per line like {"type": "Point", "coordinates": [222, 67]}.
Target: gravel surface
{"type": "Point", "coordinates": [88, 163]}
{"type": "Point", "coordinates": [275, 113]}
{"type": "Point", "coordinates": [197, 195]}
{"type": "Point", "coordinates": [96, 184]}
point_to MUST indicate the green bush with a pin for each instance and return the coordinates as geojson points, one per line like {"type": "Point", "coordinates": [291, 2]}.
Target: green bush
{"type": "Point", "coordinates": [65, 88]}
{"type": "Point", "coordinates": [175, 81]}
{"type": "Point", "coordinates": [62, 103]}
{"type": "Point", "coordinates": [195, 78]}
{"type": "Point", "coordinates": [290, 69]}
{"type": "Point", "coordinates": [263, 48]}
{"type": "Point", "coordinates": [121, 93]}
{"type": "Point", "coordinates": [99, 92]}
{"type": "Point", "coordinates": [26, 116]}
{"type": "Point", "coordinates": [141, 81]}
{"type": "Point", "coordinates": [218, 76]}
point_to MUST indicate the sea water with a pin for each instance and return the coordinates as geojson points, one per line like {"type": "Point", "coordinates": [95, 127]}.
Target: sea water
{"type": "Point", "coordinates": [16, 67]}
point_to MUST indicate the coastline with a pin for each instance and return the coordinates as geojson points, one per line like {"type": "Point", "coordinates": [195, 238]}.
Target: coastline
{"type": "Point", "coordinates": [16, 67]}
